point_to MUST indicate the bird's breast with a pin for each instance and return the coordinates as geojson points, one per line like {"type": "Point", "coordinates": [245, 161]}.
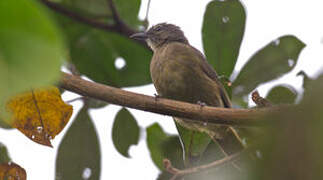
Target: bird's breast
{"type": "Point", "coordinates": [173, 79]}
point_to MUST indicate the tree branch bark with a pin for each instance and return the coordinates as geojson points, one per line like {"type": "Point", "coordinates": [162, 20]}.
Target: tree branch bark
{"type": "Point", "coordinates": [119, 27]}
{"type": "Point", "coordinates": [216, 115]}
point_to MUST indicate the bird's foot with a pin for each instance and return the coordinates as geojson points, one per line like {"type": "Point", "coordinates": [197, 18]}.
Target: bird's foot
{"type": "Point", "coordinates": [156, 96]}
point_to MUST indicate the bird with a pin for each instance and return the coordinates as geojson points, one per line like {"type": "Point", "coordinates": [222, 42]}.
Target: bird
{"type": "Point", "coordinates": [181, 72]}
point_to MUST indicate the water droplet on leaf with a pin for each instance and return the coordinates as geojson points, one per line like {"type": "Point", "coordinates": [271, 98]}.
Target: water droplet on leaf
{"type": "Point", "coordinates": [86, 173]}
{"type": "Point", "coordinates": [276, 42]}
{"type": "Point", "coordinates": [258, 154]}
{"type": "Point", "coordinates": [225, 19]}
{"type": "Point", "coordinates": [291, 62]}
{"type": "Point", "coordinates": [244, 141]}
{"type": "Point", "coordinates": [120, 63]}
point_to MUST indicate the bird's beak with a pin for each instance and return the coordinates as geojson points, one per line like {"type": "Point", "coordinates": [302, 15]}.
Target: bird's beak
{"type": "Point", "coordinates": [139, 36]}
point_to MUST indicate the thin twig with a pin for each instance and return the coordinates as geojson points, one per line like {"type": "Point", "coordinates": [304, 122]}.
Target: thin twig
{"type": "Point", "coordinates": [61, 9]}
{"type": "Point", "coordinates": [260, 101]}
{"type": "Point", "coordinates": [122, 29]}
{"type": "Point", "coordinates": [75, 99]}
{"type": "Point", "coordinates": [226, 154]}
{"type": "Point", "coordinates": [214, 115]}
{"type": "Point", "coordinates": [178, 173]}
{"type": "Point", "coordinates": [115, 13]}
{"type": "Point", "coordinates": [70, 66]}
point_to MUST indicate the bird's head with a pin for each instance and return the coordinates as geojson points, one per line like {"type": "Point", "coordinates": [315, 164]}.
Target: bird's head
{"type": "Point", "coordinates": [160, 34]}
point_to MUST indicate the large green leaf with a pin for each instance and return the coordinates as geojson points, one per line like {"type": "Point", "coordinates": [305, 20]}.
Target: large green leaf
{"type": "Point", "coordinates": [5, 125]}
{"type": "Point", "coordinates": [89, 8]}
{"type": "Point", "coordinates": [306, 79]}
{"type": "Point", "coordinates": [282, 95]}
{"type": "Point", "coordinates": [4, 156]}
{"type": "Point", "coordinates": [222, 32]}
{"type": "Point", "coordinates": [79, 152]}
{"type": "Point", "coordinates": [128, 10]}
{"type": "Point", "coordinates": [194, 143]}
{"type": "Point", "coordinates": [95, 53]}
{"type": "Point", "coordinates": [125, 131]}
{"type": "Point", "coordinates": [163, 146]}
{"type": "Point", "coordinates": [270, 62]}
{"type": "Point", "coordinates": [292, 147]}
{"type": "Point", "coordinates": [31, 48]}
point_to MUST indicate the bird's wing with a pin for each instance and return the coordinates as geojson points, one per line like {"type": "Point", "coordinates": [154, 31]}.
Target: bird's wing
{"type": "Point", "coordinates": [210, 72]}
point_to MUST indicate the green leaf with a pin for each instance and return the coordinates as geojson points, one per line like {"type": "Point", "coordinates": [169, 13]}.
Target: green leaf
{"type": "Point", "coordinates": [125, 131]}
{"type": "Point", "coordinates": [94, 53]}
{"type": "Point", "coordinates": [4, 124]}
{"type": "Point", "coordinates": [95, 103]}
{"type": "Point", "coordinates": [129, 11]}
{"type": "Point", "coordinates": [222, 32]}
{"type": "Point", "coordinates": [306, 79]}
{"type": "Point", "coordinates": [79, 152]}
{"type": "Point", "coordinates": [31, 48]}
{"type": "Point", "coordinates": [163, 146]}
{"type": "Point", "coordinates": [194, 142]}
{"type": "Point", "coordinates": [270, 62]}
{"type": "Point", "coordinates": [4, 155]}
{"type": "Point", "coordinates": [297, 130]}
{"type": "Point", "coordinates": [282, 95]}
{"type": "Point", "coordinates": [94, 8]}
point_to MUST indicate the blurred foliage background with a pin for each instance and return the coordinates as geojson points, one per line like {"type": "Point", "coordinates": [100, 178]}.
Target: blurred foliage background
{"type": "Point", "coordinates": [93, 37]}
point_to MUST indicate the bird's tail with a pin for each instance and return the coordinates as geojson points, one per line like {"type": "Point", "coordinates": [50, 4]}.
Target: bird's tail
{"type": "Point", "coordinates": [230, 143]}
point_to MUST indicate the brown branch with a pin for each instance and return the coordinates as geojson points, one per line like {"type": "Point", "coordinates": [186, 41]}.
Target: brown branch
{"type": "Point", "coordinates": [115, 13]}
{"type": "Point", "coordinates": [178, 173]}
{"type": "Point", "coordinates": [61, 9]}
{"type": "Point", "coordinates": [249, 117]}
{"type": "Point", "coordinates": [122, 28]}
{"type": "Point", "coordinates": [120, 24]}
{"type": "Point", "coordinates": [260, 101]}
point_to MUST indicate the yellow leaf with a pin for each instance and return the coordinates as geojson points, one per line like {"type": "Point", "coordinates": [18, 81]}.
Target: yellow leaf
{"type": "Point", "coordinates": [12, 171]}
{"type": "Point", "coordinates": [40, 114]}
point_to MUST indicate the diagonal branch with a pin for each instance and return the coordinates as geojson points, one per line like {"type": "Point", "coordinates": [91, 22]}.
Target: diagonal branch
{"type": "Point", "coordinates": [225, 116]}
{"type": "Point", "coordinates": [115, 13]}
{"type": "Point", "coordinates": [178, 173]}
{"type": "Point", "coordinates": [120, 24]}
{"type": "Point", "coordinates": [75, 16]}
{"type": "Point", "coordinates": [120, 27]}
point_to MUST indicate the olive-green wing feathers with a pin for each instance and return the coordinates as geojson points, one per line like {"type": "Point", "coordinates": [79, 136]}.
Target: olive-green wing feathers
{"type": "Point", "coordinates": [210, 72]}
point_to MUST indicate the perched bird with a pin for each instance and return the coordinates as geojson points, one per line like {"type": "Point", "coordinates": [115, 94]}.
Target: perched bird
{"type": "Point", "coordinates": [181, 72]}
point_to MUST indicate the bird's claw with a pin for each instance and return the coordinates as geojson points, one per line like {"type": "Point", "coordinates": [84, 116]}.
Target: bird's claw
{"type": "Point", "coordinates": [156, 96]}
